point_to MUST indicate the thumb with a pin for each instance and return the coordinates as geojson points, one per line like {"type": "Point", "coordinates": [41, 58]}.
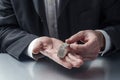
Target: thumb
{"type": "Point", "coordinates": [76, 37]}
{"type": "Point", "coordinates": [37, 47]}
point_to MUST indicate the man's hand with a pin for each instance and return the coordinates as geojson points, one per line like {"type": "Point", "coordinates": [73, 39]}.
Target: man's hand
{"type": "Point", "coordinates": [92, 42]}
{"type": "Point", "coordinates": [49, 47]}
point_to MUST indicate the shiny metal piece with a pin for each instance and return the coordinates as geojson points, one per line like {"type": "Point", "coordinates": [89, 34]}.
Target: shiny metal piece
{"type": "Point", "coordinates": [62, 52]}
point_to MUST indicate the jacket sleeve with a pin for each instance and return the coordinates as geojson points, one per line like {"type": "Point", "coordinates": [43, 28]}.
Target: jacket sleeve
{"type": "Point", "coordinates": [13, 40]}
{"type": "Point", "coordinates": [111, 12]}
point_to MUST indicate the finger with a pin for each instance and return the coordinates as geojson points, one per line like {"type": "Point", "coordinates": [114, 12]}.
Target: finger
{"type": "Point", "coordinates": [77, 48]}
{"type": "Point", "coordinates": [74, 56]}
{"type": "Point", "coordinates": [77, 37]}
{"type": "Point", "coordinates": [38, 47]}
{"type": "Point", "coordinates": [62, 62]}
{"type": "Point", "coordinates": [74, 63]}
{"type": "Point", "coordinates": [70, 61]}
{"type": "Point", "coordinates": [90, 57]}
{"type": "Point", "coordinates": [77, 61]}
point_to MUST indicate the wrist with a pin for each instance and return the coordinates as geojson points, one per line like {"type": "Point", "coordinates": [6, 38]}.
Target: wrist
{"type": "Point", "coordinates": [30, 48]}
{"type": "Point", "coordinates": [101, 39]}
{"type": "Point", "coordinates": [31, 53]}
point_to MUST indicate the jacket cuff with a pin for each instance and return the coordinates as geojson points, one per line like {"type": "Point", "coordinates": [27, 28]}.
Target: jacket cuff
{"type": "Point", "coordinates": [21, 45]}
{"type": "Point", "coordinates": [30, 51]}
{"type": "Point", "coordinates": [107, 42]}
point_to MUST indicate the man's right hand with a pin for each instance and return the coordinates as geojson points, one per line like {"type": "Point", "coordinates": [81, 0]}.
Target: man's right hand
{"type": "Point", "coordinates": [49, 47]}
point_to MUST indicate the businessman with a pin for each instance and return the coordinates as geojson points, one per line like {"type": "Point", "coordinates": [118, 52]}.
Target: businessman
{"type": "Point", "coordinates": [34, 27]}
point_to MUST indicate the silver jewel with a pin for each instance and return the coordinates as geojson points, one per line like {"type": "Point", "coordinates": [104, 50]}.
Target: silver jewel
{"type": "Point", "coordinates": [62, 52]}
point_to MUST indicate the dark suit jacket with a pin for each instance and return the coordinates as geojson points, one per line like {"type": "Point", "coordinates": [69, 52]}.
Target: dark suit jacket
{"type": "Point", "coordinates": [21, 21]}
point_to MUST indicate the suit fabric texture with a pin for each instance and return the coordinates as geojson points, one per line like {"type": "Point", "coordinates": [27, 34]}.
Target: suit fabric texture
{"type": "Point", "coordinates": [21, 21]}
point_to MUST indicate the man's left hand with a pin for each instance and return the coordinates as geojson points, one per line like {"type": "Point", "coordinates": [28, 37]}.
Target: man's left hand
{"type": "Point", "coordinates": [92, 43]}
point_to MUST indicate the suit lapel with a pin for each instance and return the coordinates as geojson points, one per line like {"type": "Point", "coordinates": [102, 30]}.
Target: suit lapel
{"type": "Point", "coordinates": [40, 9]}
{"type": "Point", "coordinates": [63, 4]}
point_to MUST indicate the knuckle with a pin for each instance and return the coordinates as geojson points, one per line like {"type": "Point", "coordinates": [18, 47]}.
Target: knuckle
{"type": "Point", "coordinates": [78, 63]}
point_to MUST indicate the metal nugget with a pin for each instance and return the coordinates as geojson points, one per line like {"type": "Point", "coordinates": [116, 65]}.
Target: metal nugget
{"type": "Point", "coordinates": [62, 52]}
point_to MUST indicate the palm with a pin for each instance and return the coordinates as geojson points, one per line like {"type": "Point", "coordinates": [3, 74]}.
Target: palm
{"type": "Point", "coordinates": [51, 46]}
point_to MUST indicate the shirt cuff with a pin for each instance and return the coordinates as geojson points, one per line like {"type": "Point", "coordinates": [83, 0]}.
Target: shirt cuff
{"type": "Point", "coordinates": [30, 51]}
{"type": "Point", "coordinates": [107, 42]}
